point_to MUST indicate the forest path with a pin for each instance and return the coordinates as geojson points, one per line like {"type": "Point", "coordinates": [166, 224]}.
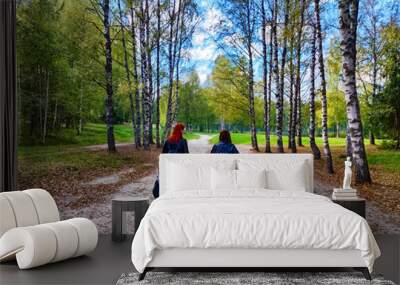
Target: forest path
{"type": "Point", "coordinates": [200, 145]}
{"type": "Point", "coordinates": [100, 212]}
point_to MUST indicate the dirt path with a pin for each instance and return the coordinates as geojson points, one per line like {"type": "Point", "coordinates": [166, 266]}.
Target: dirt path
{"type": "Point", "coordinates": [97, 147]}
{"type": "Point", "coordinates": [200, 145]}
{"type": "Point", "coordinates": [100, 213]}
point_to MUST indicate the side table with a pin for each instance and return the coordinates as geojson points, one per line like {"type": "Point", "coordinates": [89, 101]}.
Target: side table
{"type": "Point", "coordinates": [119, 208]}
{"type": "Point", "coordinates": [357, 205]}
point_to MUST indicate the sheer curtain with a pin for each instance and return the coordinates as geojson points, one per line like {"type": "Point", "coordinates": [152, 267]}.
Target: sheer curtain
{"type": "Point", "coordinates": [8, 97]}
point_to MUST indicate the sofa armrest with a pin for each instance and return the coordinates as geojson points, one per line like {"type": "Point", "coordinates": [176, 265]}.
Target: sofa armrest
{"type": "Point", "coordinates": [41, 244]}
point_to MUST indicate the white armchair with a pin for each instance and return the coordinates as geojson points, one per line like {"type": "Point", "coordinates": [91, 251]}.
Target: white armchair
{"type": "Point", "coordinates": [32, 233]}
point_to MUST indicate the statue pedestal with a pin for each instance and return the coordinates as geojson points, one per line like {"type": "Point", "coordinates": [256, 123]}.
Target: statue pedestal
{"type": "Point", "coordinates": [356, 205]}
{"type": "Point", "coordinates": [344, 194]}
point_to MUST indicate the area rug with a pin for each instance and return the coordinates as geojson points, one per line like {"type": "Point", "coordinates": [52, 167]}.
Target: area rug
{"type": "Point", "coordinates": [269, 278]}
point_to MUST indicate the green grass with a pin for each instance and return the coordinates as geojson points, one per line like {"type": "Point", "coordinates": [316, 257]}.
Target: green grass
{"type": "Point", "coordinates": [92, 134]}
{"type": "Point", "coordinates": [389, 159]}
{"type": "Point", "coordinates": [72, 160]}
{"type": "Point", "coordinates": [244, 138]}
{"type": "Point", "coordinates": [191, 136]}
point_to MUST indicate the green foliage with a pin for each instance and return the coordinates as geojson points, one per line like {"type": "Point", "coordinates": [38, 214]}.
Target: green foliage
{"type": "Point", "coordinates": [335, 96]}
{"type": "Point", "coordinates": [228, 96]}
{"type": "Point", "coordinates": [59, 45]}
{"type": "Point", "coordinates": [194, 108]}
{"type": "Point", "coordinates": [388, 100]}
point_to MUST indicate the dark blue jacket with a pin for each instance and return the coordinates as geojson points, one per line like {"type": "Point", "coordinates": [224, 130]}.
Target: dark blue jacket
{"type": "Point", "coordinates": [222, 147]}
{"type": "Point", "coordinates": [180, 147]}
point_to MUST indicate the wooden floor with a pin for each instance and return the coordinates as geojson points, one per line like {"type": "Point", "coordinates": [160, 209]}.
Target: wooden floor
{"type": "Point", "coordinates": [111, 259]}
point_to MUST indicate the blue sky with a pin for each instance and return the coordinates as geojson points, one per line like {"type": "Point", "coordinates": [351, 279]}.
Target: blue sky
{"type": "Point", "coordinates": [204, 49]}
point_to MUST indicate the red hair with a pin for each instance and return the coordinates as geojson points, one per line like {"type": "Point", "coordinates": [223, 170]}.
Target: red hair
{"type": "Point", "coordinates": [176, 134]}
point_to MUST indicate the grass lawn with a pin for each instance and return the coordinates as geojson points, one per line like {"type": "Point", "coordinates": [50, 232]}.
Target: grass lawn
{"type": "Point", "coordinates": [92, 134]}
{"type": "Point", "coordinates": [244, 138]}
{"type": "Point", "coordinates": [388, 159]}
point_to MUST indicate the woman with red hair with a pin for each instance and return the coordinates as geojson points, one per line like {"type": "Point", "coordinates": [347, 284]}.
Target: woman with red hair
{"type": "Point", "coordinates": [175, 142]}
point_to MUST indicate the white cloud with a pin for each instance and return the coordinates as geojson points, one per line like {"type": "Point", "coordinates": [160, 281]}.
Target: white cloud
{"type": "Point", "coordinates": [206, 51]}
{"type": "Point", "coordinates": [199, 38]}
{"type": "Point", "coordinates": [203, 71]}
{"type": "Point", "coordinates": [212, 18]}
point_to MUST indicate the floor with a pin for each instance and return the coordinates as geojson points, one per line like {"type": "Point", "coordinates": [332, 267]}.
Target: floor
{"type": "Point", "coordinates": [111, 259]}
{"type": "Point", "coordinates": [104, 266]}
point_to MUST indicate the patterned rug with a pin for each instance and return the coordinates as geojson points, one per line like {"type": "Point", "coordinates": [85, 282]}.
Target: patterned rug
{"type": "Point", "coordinates": [269, 278]}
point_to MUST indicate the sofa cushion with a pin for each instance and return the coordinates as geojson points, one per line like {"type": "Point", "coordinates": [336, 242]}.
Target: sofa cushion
{"type": "Point", "coordinates": [7, 220]}
{"type": "Point", "coordinates": [24, 210]}
{"type": "Point", "coordinates": [45, 205]}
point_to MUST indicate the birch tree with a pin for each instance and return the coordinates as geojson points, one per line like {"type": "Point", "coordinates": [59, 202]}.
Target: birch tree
{"type": "Point", "coordinates": [348, 30]}
{"type": "Point", "coordinates": [267, 100]}
{"type": "Point", "coordinates": [291, 87]}
{"type": "Point", "coordinates": [270, 68]}
{"type": "Point", "coordinates": [138, 116]}
{"type": "Point", "coordinates": [315, 150]}
{"type": "Point", "coordinates": [102, 9]}
{"type": "Point", "coordinates": [249, 31]}
{"type": "Point", "coordinates": [281, 87]}
{"type": "Point", "coordinates": [126, 65]}
{"type": "Point", "coordinates": [149, 50]}
{"type": "Point", "coordinates": [279, 106]}
{"type": "Point", "coordinates": [327, 150]}
{"type": "Point", "coordinates": [158, 37]}
{"type": "Point", "coordinates": [146, 96]}
{"type": "Point", "coordinates": [173, 15]}
{"type": "Point", "coordinates": [297, 93]}
{"type": "Point", "coordinates": [298, 102]}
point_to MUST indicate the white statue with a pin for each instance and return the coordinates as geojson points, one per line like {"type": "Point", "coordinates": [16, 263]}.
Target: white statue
{"type": "Point", "coordinates": [347, 174]}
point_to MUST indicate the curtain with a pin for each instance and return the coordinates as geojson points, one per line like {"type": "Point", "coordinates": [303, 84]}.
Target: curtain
{"type": "Point", "coordinates": [8, 100]}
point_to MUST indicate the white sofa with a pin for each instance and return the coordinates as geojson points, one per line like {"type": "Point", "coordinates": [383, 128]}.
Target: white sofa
{"type": "Point", "coordinates": [31, 231]}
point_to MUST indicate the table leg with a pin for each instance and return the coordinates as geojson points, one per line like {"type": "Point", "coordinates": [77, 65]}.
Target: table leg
{"type": "Point", "coordinates": [140, 211]}
{"type": "Point", "coordinates": [117, 222]}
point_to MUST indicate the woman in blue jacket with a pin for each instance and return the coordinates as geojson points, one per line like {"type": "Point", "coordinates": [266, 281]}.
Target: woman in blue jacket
{"type": "Point", "coordinates": [225, 144]}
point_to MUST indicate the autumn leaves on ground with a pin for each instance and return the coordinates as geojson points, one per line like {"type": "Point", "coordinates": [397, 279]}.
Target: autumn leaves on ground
{"type": "Point", "coordinates": [65, 169]}
{"type": "Point", "coordinates": [385, 186]}
{"type": "Point", "coordinates": [68, 173]}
